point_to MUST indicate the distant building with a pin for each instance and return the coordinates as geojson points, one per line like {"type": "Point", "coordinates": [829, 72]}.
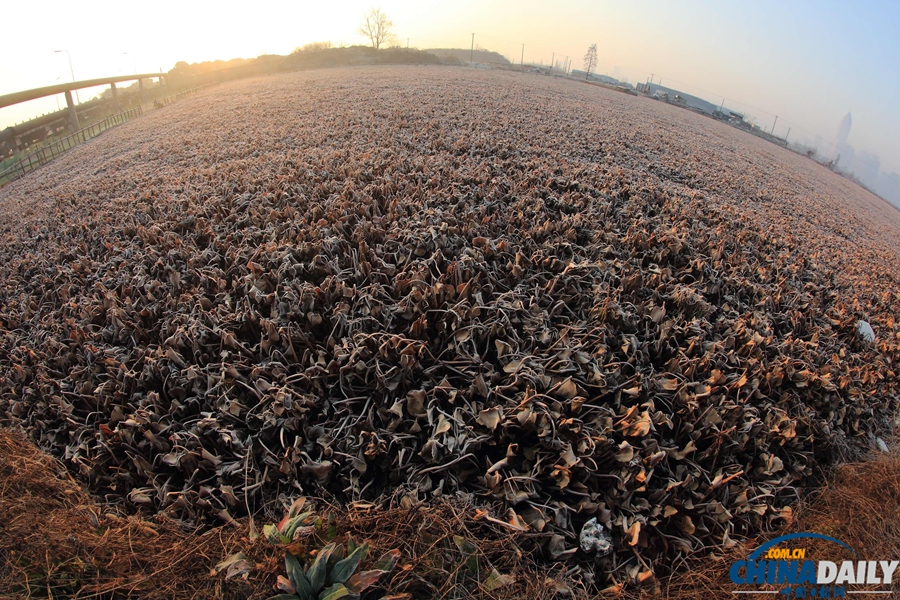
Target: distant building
{"type": "Point", "coordinates": [867, 168]}
{"type": "Point", "coordinates": [733, 117]}
{"type": "Point", "coordinates": [889, 186]}
{"type": "Point", "coordinates": [604, 79]}
{"type": "Point", "coordinates": [693, 102]}
{"type": "Point", "coordinates": [684, 99]}
{"type": "Point", "coordinates": [840, 143]}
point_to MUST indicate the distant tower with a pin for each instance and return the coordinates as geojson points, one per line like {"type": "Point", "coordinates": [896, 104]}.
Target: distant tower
{"type": "Point", "coordinates": [843, 134]}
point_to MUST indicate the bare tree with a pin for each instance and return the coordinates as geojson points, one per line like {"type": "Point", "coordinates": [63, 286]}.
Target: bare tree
{"type": "Point", "coordinates": [590, 60]}
{"type": "Point", "coordinates": [312, 47]}
{"type": "Point", "coordinates": [377, 27]}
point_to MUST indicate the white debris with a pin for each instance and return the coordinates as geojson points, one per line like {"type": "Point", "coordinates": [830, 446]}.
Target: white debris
{"type": "Point", "coordinates": [865, 332]}
{"type": "Point", "coordinates": [881, 445]}
{"type": "Point", "coordinates": [594, 538]}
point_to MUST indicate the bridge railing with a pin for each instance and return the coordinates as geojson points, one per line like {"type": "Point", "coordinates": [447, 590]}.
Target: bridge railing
{"type": "Point", "coordinates": [44, 155]}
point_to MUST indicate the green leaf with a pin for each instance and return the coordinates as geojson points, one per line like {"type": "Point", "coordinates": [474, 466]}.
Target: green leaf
{"type": "Point", "coordinates": [334, 559]}
{"type": "Point", "coordinates": [289, 526]}
{"type": "Point", "coordinates": [296, 506]}
{"type": "Point", "coordinates": [336, 591]}
{"type": "Point", "coordinates": [285, 597]}
{"type": "Point", "coordinates": [271, 533]}
{"type": "Point", "coordinates": [388, 561]}
{"type": "Point", "coordinates": [364, 580]}
{"type": "Point", "coordinates": [232, 559]}
{"type": "Point", "coordinates": [469, 552]}
{"type": "Point", "coordinates": [464, 545]}
{"type": "Point", "coordinates": [342, 571]}
{"type": "Point", "coordinates": [351, 544]}
{"type": "Point", "coordinates": [297, 577]}
{"type": "Point", "coordinates": [496, 580]}
{"type": "Point", "coordinates": [316, 573]}
{"type": "Point", "coordinates": [234, 565]}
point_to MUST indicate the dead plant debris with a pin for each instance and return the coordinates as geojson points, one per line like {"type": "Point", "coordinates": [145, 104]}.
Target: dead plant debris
{"type": "Point", "coordinates": [407, 283]}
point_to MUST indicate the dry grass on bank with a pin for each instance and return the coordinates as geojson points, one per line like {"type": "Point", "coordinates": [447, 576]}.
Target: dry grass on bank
{"type": "Point", "coordinates": [859, 505]}
{"type": "Point", "coordinates": [55, 542]}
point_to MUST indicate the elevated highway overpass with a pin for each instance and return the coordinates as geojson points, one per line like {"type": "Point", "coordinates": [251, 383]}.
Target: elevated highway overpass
{"type": "Point", "coordinates": [67, 89]}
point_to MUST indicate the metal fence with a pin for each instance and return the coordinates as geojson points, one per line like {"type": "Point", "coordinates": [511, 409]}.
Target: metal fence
{"type": "Point", "coordinates": [159, 103]}
{"type": "Point", "coordinates": [44, 155]}
{"type": "Point", "coordinates": [47, 153]}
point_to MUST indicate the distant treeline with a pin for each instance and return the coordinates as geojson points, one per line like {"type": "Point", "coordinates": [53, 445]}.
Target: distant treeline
{"type": "Point", "coordinates": [323, 54]}
{"type": "Point", "coordinates": [183, 70]}
{"type": "Point", "coordinates": [462, 55]}
{"type": "Point", "coordinates": [357, 55]}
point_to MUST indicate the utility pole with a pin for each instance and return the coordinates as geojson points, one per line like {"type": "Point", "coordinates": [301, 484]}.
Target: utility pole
{"type": "Point", "coordinates": [472, 51]}
{"type": "Point", "coordinates": [551, 62]}
{"type": "Point", "coordinates": [651, 78]}
{"type": "Point", "coordinates": [786, 135]}
{"type": "Point", "coordinates": [72, 71]}
{"type": "Point", "coordinates": [567, 66]}
{"type": "Point", "coordinates": [721, 106]}
{"type": "Point", "coordinates": [522, 60]}
{"type": "Point", "coordinates": [773, 124]}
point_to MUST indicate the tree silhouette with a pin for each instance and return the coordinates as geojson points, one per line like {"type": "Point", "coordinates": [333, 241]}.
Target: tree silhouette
{"type": "Point", "coordinates": [377, 27]}
{"type": "Point", "coordinates": [590, 60]}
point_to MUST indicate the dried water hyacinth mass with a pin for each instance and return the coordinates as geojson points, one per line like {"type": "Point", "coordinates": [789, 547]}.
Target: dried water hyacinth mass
{"type": "Point", "coordinates": [420, 281]}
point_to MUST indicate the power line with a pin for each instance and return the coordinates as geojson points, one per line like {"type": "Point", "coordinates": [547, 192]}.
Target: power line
{"type": "Point", "coordinates": [498, 39]}
{"type": "Point", "coordinates": [791, 124]}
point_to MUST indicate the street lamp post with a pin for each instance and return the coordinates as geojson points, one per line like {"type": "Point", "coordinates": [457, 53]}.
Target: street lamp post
{"type": "Point", "coordinates": [71, 70]}
{"type": "Point", "coordinates": [134, 62]}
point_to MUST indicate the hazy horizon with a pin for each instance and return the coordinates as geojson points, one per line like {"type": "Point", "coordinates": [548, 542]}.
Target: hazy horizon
{"type": "Point", "coordinates": [809, 63]}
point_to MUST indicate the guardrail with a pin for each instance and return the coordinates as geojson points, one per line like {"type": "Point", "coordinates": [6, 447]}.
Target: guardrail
{"type": "Point", "coordinates": [44, 155]}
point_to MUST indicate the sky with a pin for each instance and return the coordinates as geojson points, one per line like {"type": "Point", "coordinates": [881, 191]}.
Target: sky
{"type": "Point", "coordinates": [808, 62]}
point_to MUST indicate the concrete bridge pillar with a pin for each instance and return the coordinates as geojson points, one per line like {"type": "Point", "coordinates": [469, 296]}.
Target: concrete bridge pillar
{"type": "Point", "coordinates": [115, 92]}
{"type": "Point", "coordinates": [143, 96]}
{"type": "Point", "coordinates": [73, 114]}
